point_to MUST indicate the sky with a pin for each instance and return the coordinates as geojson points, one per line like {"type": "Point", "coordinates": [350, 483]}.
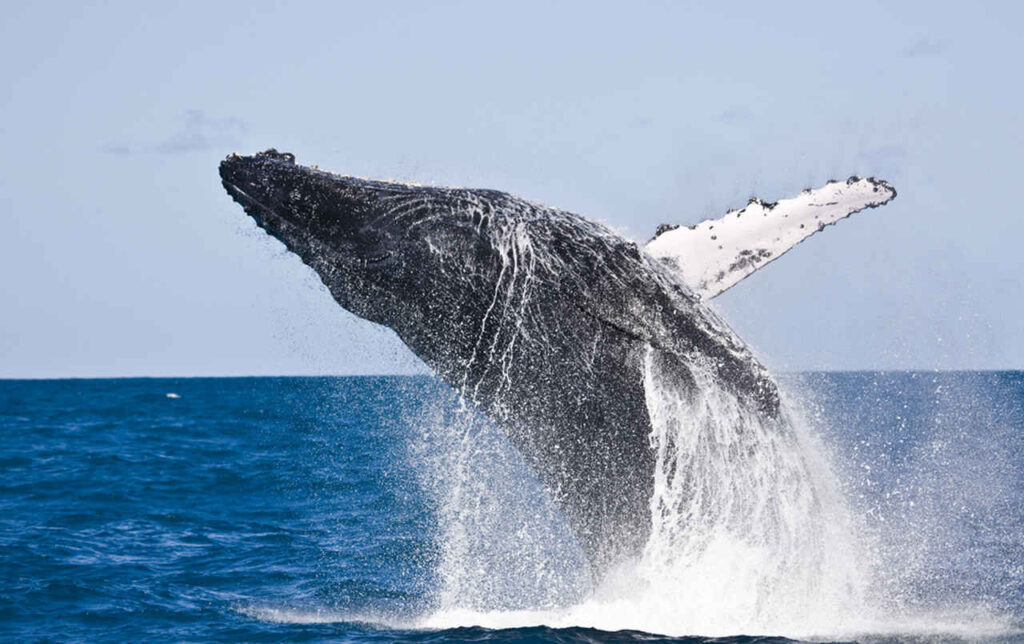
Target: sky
{"type": "Point", "coordinates": [121, 255]}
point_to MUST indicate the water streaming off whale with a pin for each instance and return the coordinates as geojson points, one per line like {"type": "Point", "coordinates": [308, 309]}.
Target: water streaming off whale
{"type": "Point", "coordinates": [748, 530]}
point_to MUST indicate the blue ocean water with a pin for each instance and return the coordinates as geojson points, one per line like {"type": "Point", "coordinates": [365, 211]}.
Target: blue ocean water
{"type": "Point", "coordinates": [289, 509]}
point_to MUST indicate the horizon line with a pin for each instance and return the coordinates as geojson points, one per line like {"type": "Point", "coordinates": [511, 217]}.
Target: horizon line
{"type": "Point", "coordinates": [431, 375]}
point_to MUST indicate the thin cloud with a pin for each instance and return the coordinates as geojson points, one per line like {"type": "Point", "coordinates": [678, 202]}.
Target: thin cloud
{"type": "Point", "coordinates": [202, 132]}
{"type": "Point", "coordinates": [198, 132]}
{"type": "Point", "coordinates": [117, 149]}
{"type": "Point", "coordinates": [923, 48]}
{"type": "Point", "coordinates": [735, 115]}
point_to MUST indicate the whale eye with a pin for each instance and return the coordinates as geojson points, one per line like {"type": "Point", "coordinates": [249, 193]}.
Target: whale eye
{"type": "Point", "coordinates": [272, 153]}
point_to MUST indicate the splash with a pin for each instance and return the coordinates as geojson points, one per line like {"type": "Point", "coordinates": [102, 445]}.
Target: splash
{"type": "Point", "coordinates": [749, 532]}
{"type": "Point", "coordinates": [502, 544]}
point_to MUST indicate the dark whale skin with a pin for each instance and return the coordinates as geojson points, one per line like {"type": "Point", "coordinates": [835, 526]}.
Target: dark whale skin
{"type": "Point", "coordinates": [539, 317]}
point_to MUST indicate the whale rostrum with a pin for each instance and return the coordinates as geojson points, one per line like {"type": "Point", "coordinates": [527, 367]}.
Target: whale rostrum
{"type": "Point", "coordinates": [539, 317]}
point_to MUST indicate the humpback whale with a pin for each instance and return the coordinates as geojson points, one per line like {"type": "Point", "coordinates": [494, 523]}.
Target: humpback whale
{"type": "Point", "coordinates": [541, 318]}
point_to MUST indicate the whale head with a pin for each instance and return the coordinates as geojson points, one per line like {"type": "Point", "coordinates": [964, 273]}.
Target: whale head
{"type": "Point", "coordinates": [309, 210]}
{"type": "Point", "coordinates": [424, 261]}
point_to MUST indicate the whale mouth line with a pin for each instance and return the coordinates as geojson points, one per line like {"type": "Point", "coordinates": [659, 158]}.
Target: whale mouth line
{"type": "Point", "coordinates": [261, 212]}
{"type": "Point", "coordinates": [248, 202]}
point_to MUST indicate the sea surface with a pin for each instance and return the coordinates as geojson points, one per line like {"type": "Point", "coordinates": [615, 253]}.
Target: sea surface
{"type": "Point", "coordinates": [300, 509]}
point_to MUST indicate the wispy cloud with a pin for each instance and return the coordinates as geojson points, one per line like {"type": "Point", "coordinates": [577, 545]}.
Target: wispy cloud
{"type": "Point", "coordinates": [735, 115]}
{"type": "Point", "coordinates": [117, 149]}
{"type": "Point", "coordinates": [925, 47]}
{"type": "Point", "coordinates": [198, 132]}
{"type": "Point", "coordinates": [202, 132]}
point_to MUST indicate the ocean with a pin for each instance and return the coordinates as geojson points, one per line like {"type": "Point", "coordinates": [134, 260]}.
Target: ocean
{"type": "Point", "coordinates": [320, 509]}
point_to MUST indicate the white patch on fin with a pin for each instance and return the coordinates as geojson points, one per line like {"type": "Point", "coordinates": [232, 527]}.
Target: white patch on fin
{"type": "Point", "coordinates": [716, 254]}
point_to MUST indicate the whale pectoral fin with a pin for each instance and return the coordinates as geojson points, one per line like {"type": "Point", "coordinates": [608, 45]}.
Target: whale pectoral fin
{"type": "Point", "coordinates": [716, 254]}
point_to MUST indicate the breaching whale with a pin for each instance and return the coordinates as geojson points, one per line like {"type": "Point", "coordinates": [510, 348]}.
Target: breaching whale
{"type": "Point", "coordinates": [541, 318]}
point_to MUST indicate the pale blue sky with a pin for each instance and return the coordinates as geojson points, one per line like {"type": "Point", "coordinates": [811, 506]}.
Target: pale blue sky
{"type": "Point", "coordinates": [121, 254]}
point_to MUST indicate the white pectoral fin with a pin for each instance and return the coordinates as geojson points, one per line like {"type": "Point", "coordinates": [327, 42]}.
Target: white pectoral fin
{"type": "Point", "coordinates": [716, 254]}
